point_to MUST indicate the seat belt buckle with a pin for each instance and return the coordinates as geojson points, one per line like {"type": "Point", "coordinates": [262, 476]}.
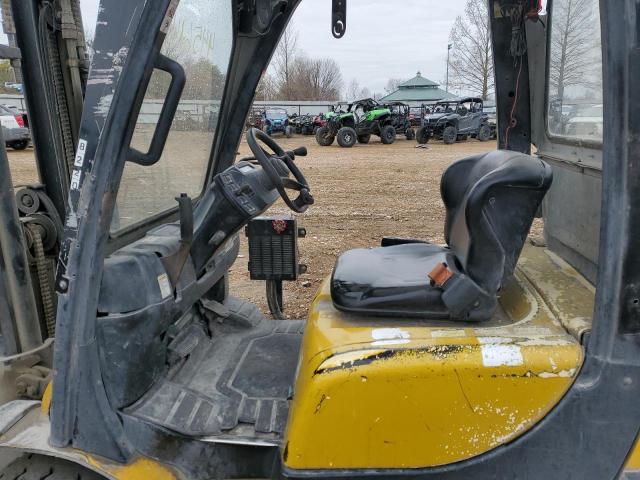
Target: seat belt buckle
{"type": "Point", "coordinates": [440, 275]}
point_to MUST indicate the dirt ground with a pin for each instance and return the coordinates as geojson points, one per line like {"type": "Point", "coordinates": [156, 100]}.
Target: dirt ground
{"type": "Point", "coordinates": [362, 194]}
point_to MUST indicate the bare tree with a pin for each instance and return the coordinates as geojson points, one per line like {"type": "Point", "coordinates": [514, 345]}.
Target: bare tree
{"type": "Point", "coordinates": [471, 62]}
{"type": "Point", "coordinates": [364, 93]}
{"type": "Point", "coordinates": [315, 79]}
{"type": "Point", "coordinates": [574, 39]}
{"type": "Point", "coordinates": [283, 62]}
{"type": "Point", "coordinates": [392, 85]}
{"type": "Point", "coordinates": [267, 88]}
{"type": "Point", "coordinates": [355, 91]}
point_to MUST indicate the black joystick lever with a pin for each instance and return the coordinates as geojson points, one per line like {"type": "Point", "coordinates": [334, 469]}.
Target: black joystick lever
{"type": "Point", "coordinates": [298, 152]}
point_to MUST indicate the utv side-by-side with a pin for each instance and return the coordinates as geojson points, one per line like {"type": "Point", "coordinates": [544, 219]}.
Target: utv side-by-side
{"type": "Point", "coordinates": [401, 119]}
{"type": "Point", "coordinates": [126, 353]}
{"type": "Point", "coordinates": [276, 120]}
{"type": "Point", "coordinates": [454, 120]}
{"type": "Point", "coordinates": [351, 122]}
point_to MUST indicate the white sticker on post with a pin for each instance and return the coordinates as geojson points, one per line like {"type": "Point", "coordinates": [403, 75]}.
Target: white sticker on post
{"type": "Point", "coordinates": [497, 355]}
{"type": "Point", "coordinates": [82, 149]}
{"type": "Point", "coordinates": [165, 285]}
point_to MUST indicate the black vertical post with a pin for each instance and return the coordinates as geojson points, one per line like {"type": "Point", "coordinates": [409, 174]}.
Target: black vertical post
{"type": "Point", "coordinates": [17, 278]}
{"type": "Point", "coordinates": [512, 83]}
{"type": "Point", "coordinates": [43, 116]}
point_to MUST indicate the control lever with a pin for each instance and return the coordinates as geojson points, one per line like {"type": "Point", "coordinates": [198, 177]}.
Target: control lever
{"type": "Point", "coordinates": [292, 154]}
{"type": "Point", "coordinates": [174, 263]}
{"type": "Point", "coordinates": [298, 152]}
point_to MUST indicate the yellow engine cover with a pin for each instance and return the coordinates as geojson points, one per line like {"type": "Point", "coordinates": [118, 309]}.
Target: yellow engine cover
{"type": "Point", "coordinates": [396, 393]}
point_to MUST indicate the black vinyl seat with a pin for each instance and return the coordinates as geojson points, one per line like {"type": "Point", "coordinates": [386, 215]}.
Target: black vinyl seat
{"type": "Point", "coordinates": [491, 200]}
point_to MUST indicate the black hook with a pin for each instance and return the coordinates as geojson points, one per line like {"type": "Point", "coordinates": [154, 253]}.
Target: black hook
{"type": "Point", "coordinates": [339, 18]}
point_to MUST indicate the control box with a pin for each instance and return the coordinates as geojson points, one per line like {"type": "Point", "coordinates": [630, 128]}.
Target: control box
{"type": "Point", "coordinates": [273, 248]}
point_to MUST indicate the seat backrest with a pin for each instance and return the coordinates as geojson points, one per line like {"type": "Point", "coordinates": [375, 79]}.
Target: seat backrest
{"type": "Point", "coordinates": [491, 200]}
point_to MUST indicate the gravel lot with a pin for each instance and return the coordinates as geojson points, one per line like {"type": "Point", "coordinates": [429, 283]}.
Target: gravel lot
{"type": "Point", "coordinates": [362, 194]}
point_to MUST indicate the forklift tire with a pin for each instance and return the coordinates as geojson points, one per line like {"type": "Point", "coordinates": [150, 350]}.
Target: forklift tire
{"type": "Point", "coordinates": [347, 137]}
{"type": "Point", "coordinates": [422, 136]}
{"type": "Point", "coordinates": [364, 138]}
{"type": "Point", "coordinates": [450, 135]}
{"type": "Point", "coordinates": [388, 134]}
{"type": "Point", "coordinates": [19, 145]}
{"type": "Point", "coordinates": [484, 134]}
{"type": "Point", "coordinates": [410, 134]}
{"type": "Point", "coordinates": [323, 137]}
{"type": "Point", "coordinates": [37, 467]}
{"type": "Point", "coordinates": [288, 132]}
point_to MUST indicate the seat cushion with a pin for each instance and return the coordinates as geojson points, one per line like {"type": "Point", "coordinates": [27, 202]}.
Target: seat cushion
{"type": "Point", "coordinates": [390, 281]}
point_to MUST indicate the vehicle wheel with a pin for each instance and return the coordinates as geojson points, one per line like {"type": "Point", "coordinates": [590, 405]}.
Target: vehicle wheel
{"type": "Point", "coordinates": [347, 137]}
{"type": "Point", "coordinates": [288, 132]}
{"type": "Point", "coordinates": [449, 135]}
{"type": "Point", "coordinates": [19, 145]}
{"type": "Point", "coordinates": [265, 129]}
{"type": "Point", "coordinates": [484, 133]}
{"type": "Point", "coordinates": [364, 138]}
{"type": "Point", "coordinates": [324, 137]}
{"type": "Point", "coordinates": [410, 134]}
{"type": "Point", "coordinates": [423, 136]}
{"type": "Point", "coordinates": [37, 467]}
{"type": "Point", "coordinates": [388, 134]}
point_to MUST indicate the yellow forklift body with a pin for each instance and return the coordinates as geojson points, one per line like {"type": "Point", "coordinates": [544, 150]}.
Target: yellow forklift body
{"type": "Point", "coordinates": [394, 393]}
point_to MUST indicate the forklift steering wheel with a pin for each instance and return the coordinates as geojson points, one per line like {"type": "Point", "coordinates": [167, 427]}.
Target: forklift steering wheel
{"type": "Point", "coordinates": [278, 166]}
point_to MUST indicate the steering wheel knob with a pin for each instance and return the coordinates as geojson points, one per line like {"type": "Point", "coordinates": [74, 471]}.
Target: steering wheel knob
{"type": "Point", "coordinates": [306, 197]}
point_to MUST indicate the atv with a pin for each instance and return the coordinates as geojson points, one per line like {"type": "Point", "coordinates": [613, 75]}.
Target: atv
{"type": "Point", "coordinates": [255, 118]}
{"type": "Point", "coordinates": [276, 120]}
{"type": "Point", "coordinates": [454, 120]}
{"type": "Point", "coordinates": [357, 122]}
{"type": "Point", "coordinates": [307, 123]}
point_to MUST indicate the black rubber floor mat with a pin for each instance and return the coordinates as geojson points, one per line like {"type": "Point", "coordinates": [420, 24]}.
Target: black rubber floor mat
{"type": "Point", "coordinates": [237, 384]}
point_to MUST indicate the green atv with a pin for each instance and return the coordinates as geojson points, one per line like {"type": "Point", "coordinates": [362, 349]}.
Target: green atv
{"type": "Point", "coordinates": [357, 122]}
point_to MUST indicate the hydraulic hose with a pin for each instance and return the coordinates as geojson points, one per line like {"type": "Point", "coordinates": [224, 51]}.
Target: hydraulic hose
{"type": "Point", "coordinates": [274, 299]}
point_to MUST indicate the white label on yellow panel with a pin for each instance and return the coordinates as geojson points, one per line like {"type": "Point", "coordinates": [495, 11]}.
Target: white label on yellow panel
{"type": "Point", "coordinates": [389, 336]}
{"type": "Point", "coordinates": [496, 355]}
{"type": "Point", "coordinates": [448, 333]}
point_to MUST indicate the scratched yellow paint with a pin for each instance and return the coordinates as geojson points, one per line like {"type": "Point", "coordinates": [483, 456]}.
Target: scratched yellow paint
{"type": "Point", "coordinates": [392, 393]}
{"type": "Point", "coordinates": [46, 399]}
{"type": "Point", "coordinates": [140, 469]}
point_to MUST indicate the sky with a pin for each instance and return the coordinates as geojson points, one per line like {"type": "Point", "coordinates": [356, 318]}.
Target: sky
{"type": "Point", "coordinates": [384, 39]}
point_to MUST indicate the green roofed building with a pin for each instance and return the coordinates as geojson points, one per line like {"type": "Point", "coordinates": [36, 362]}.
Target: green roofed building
{"type": "Point", "coordinates": [417, 91]}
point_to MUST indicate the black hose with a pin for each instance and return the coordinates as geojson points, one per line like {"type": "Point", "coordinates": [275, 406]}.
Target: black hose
{"type": "Point", "coordinates": [274, 299]}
